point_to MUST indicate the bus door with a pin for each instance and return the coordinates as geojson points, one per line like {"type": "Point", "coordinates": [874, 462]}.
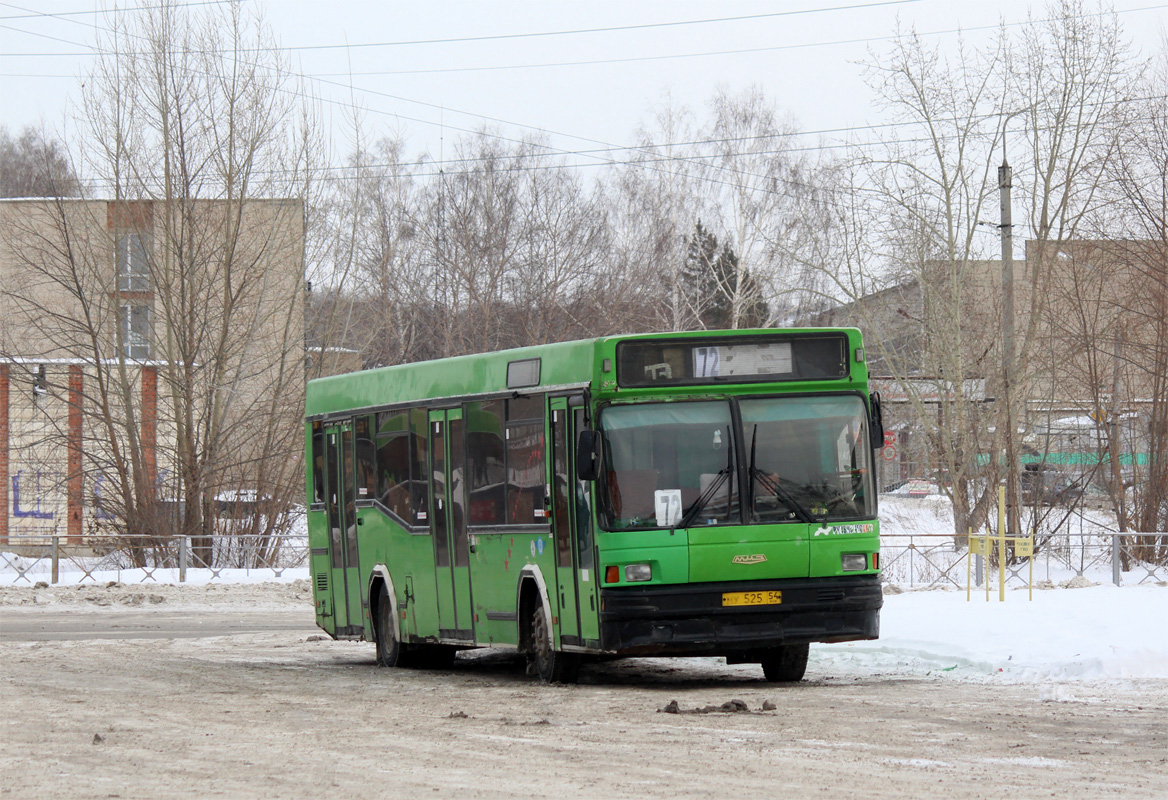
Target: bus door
{"type": "Point", "coordinates": [342, 516]}
{"type": "Point", "coordinates": [448, 524]}
{"type": "Point", "coordinates": [583, 537]}
{"type": "Point", "coordinates": [567, 592]}
{"type": "Point", "coordinates": [575, 576]}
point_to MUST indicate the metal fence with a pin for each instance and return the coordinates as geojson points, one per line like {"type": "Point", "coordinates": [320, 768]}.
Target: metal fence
{"type": "Point", "coordinates": [942, 560]}
{"type": "Point", "coordinates": [32, 559]}
{"type": "Point", "coordinates": [916, 561]}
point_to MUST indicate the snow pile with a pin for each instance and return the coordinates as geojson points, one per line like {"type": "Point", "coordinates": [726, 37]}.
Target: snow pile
{"type": "Point", "coordinates": [1101, 632]}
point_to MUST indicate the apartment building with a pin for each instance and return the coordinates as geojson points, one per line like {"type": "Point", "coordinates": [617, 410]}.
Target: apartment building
{"type": "Point", "coordinates": [141, 342]}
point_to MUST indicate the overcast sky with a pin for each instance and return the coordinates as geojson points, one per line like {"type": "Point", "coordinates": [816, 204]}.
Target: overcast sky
{"type": "Point", "coordinates": [593, 73]}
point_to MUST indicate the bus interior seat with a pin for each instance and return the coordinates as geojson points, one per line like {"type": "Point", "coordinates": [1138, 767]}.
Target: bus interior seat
{"type": "Point", "coordinates": [722, 495]}
{"type": "Point", "coordinates": [632, 492]}
{"type": "Point", "coordinates": [397, 500]}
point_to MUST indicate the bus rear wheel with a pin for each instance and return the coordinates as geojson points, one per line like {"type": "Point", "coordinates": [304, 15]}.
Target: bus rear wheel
{"type": "Point", "coordinates": [786, 663]}
{"type": "Point", "coordinates": [389, 649]}
{"type": "Point", "coordinates": [551, 665]}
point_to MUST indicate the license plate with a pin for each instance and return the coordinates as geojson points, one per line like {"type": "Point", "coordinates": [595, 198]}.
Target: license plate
{"type": "Point", "coordinates": [752, 598]}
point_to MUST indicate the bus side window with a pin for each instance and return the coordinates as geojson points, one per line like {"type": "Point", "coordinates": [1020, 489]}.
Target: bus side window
{"type": "Point", "coordinates": [526, 461]}
{"type": "Point", "coordinates": [484, 436]}
{"type": "Point", "coordinates": [393, 463]}
{"type": "Point", "coordinates": [317, 462]}
{"type": "Point", "coordinates": [366, 459]}
{"type": "Point", "coordinates": [419, 467]}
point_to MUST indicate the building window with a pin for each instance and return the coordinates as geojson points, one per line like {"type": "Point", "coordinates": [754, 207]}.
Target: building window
{"type": "Point", "coordinates": [134, 330]}
{"type": "Point", "coordinates": [133, 268]}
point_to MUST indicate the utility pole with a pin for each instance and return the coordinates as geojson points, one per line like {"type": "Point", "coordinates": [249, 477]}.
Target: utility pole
{"type": "Point", "coordinates": [1005, 183]}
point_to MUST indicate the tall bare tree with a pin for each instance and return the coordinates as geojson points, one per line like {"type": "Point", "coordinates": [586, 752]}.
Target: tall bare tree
{"type": "Point", "coordinates": [193, 268]}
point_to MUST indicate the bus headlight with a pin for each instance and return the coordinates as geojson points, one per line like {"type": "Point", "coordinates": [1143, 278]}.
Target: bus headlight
{"type": "Point", "coordinates": [853, 562]}
{"type": "Point", "coordinates": [638, 572]}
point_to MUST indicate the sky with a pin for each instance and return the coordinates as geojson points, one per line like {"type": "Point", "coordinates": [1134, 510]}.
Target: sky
{"type": "Point", "coordinates": [585, 75]}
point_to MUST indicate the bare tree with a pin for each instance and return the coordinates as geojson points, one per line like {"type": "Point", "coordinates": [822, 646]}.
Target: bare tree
{"type": "Point", "coordinates": [757, 184]}
{"type": "Point", "coordinates": [191, 270]}
{"type": "Point", "coordinates": [655, 199]}
{"type": "Point", "coordinates": [1121, 332]}
{"type": "Point", "coordinates": [565, 240]}
{"type": "Point", "coordinates": [931, 185]}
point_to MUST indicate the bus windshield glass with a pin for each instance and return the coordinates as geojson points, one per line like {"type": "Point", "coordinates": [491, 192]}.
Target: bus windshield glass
{"type": "Point", "coordinates": [806, 457]}
{"type": "Point", "coordinates": [661, 450]}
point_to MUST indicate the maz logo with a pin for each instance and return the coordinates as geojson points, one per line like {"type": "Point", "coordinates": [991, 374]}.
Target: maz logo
{"type": "Point", "coordinates": [758, 558]}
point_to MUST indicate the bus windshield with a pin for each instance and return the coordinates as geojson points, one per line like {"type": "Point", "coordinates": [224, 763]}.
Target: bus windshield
{"type": "Point", "coordinates": [658, 447]}
{"type": "Point", "coordinates": [807, 459]}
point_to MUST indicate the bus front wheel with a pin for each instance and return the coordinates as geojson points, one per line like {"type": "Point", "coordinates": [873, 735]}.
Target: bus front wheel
{"type": "Point", "coordinates": [389, 649]}
{"type": "Point", "coordinates": [551, 665]}
{"type": "Point", "coordinates": [786, 663]}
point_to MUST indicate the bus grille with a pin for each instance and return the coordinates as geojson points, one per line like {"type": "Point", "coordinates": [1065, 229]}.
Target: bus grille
{"type": "Point", "coordinates": [322, 581]}
{"type": "Point", "coordinates": [830, 595]}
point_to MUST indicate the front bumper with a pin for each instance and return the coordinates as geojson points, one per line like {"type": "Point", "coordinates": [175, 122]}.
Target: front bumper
{"type": "Point", "coordinates": [689, 619]}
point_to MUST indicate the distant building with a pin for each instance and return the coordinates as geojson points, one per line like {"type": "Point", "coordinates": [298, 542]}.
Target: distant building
{"type": "Point", "coordinates": [106, 308]}
{"type": "Point", "coordinates": [1093, 314]}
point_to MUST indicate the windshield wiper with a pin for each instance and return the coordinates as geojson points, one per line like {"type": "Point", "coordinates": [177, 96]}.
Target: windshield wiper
{"type": "Point", "coordinates": [773, 486]}
{"type": "Point", "coordinates": [713, 488]}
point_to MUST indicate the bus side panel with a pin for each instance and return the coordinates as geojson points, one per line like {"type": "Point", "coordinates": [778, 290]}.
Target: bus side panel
{"type": "Point", "coordinates": [322, 591]}
{"type": "Point", "coordinates": [407, 556]}
{"type": "Point", "coordinates": [496, 562]}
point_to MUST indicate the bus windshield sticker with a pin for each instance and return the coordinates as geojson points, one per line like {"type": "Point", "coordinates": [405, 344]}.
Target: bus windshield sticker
{"type": "Point", "coordinates": [667, 503]}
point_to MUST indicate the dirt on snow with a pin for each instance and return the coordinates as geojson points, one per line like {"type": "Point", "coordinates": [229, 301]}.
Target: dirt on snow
{"type": "Point", "coordinates": [291, 713]}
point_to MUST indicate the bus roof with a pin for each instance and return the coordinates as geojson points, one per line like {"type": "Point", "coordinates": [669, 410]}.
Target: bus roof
{"type": "Point", "coordinates": [562, 364]}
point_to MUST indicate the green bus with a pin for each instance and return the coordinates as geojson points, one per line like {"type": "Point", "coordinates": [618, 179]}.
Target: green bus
{"type": "Point", "coordinates": [700, 493]}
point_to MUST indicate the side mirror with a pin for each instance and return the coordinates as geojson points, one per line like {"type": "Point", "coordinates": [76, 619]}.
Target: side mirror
{"type": "Point", "coordinates": [588, 455]}
{"type": "Point", "coordinates": [875, 421]}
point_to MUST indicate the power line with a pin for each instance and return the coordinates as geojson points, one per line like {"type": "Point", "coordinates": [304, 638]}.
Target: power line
{"type": "Point", "coordinates": [599, 153]}
{"type": "Point", "coordinates": [712, 53]}
{"type": "Point", "coordinates": [607, 29]}
{"type": "Point", "coordinates": [608, 147]}
{"type": "Point", "coordinates": [630, 59]}
{"type": "Point", "coordinates": [56, 14]}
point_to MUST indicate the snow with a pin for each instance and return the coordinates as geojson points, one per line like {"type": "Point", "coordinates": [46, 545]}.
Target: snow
{"type": "Point", "coordinates": [1100, 632]}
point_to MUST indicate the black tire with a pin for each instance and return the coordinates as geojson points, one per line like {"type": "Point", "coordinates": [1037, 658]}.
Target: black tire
{"type": "Point", "coordinates": [389, 649]}
{"type": "Point", "coordinates": [786, 663]}
{"type": "Point", "coordinates": [551, 665]}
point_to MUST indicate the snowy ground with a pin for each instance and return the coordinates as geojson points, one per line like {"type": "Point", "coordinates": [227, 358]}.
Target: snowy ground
{"type": "Point", "coordinates": [1096, 633]}
{"type": "Point", "coordinates": [289, 713]}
